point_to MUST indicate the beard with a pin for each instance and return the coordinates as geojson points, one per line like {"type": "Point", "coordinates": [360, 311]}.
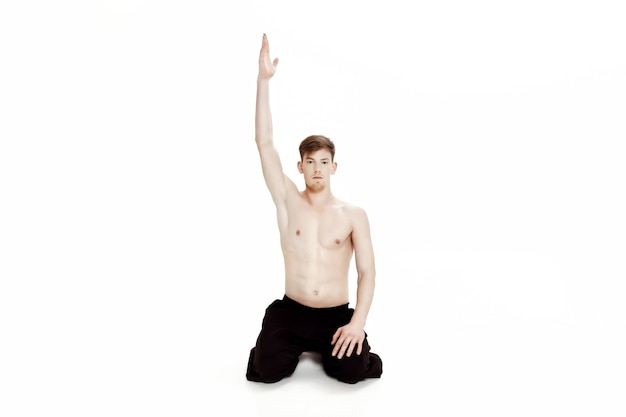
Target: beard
{"type": "Point", "coordinates": [317, 186]}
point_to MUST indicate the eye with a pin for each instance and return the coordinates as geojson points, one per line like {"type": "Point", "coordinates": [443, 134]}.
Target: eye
{"type": "Point", "coordinates": [309, 162]}
{"type": "Point", "coordinates": [325, 162]}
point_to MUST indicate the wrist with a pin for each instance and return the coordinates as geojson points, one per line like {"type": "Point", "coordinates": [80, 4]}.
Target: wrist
{"type": "Point", "coordinates": [358, 321]}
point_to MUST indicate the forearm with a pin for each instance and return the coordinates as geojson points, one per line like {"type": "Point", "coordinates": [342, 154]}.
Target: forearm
{"type": "Point", "coordinates": [263, 116]}
{"type": "Point", "coordinates": [364, 296]}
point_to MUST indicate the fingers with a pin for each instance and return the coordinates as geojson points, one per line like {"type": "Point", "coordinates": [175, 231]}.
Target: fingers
{"type": "Point", "coordinates": [349, 344]}
{"type": "Point", "coordinates": [346, 343]}
{"type": "Point", "coordinates": [337, 341]}
{"type": "Point", "coordinates": [346, 346]}
{"type": "Point", "coordinates": [335, 337]}
{"type": "Point", "coordinates": [264, 56]}
{"type": "Point", "coordinates": [340, 348]}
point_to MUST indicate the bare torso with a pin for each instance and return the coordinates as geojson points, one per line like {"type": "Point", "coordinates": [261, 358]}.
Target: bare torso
{"type": "Point", "coordinates": [317, 247]}
{"type": "Point", "coordinates": [318, 233]}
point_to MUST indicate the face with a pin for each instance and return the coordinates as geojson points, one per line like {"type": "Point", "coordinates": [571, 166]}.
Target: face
{"type": "Point", "coordinates": [317, 167]}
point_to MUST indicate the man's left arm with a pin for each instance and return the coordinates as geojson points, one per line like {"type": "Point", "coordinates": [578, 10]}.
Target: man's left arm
{"type": "Point", "coordinates": [351, 336]}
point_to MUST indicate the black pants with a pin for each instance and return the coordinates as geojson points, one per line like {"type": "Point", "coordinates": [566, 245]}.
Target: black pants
{"type": "Point", "coordinates": [290, 328]}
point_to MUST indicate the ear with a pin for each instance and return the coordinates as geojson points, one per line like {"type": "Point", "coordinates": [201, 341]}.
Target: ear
{"type": "Point", "coordinates": [300, 167]}
{"type": "Point", "coordinates": [334, 168]}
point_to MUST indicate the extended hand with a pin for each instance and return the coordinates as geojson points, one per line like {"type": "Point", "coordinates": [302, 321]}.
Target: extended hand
{"type": "Point", "coordinates": [267, 67]}
{"type": "Point", "coordinates": [346, 338]}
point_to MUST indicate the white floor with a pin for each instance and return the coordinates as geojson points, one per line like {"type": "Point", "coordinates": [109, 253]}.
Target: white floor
{"type": "Point", "coordinates": [179, 350]}
{"type": "Point", "coordinates": [448, 351]}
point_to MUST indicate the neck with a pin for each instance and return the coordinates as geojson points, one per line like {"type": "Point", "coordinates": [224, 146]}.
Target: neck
{"type": "Point", "coordinates": [318, 198]}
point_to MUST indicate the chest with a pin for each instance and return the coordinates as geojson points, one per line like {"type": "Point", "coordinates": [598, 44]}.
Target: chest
{"type": "Point", "coordinates": [330, 228]}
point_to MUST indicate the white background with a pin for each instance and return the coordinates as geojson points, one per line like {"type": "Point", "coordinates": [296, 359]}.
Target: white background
{"type": "Point", "coordinates": [138, 245]}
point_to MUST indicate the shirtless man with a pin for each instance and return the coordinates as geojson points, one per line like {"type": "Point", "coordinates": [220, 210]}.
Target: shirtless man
{"type": "Point", "coordinates": [318, 235]}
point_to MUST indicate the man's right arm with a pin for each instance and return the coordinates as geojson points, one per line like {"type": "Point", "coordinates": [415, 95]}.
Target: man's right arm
{"type": "Point", "coordinates": [275, 179]}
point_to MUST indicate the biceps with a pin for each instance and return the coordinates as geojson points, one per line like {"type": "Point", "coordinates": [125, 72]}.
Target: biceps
{"type": "Point", "coordinates": [273, 172]}
{"type": "Point", "coordinates": [363, 248]}
{"type": "Point", "coordinates": [363, 253]}
{"type": "Point", "coordinates": [364, 258]}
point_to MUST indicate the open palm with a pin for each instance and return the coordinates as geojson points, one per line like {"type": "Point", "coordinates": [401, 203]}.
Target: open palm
{"type": "Point", "coordinates": [267, 67]}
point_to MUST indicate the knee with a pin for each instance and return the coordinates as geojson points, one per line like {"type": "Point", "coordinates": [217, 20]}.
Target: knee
{"type": "Point", "coordinates": [354, 368]}
{"type": "Point", "coordinates": [269, 367]}
{"type": "Point", "coordinates": [347, 369]}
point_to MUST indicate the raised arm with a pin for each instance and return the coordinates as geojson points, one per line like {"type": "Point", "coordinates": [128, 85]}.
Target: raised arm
{"type": "Point", "coordinates": [270, 160]}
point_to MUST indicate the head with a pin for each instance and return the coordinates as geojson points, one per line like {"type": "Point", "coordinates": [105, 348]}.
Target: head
{"type": "Point", "coordinates": [317, 163]}
{"type": "Point", "coordinates": [314, 143]}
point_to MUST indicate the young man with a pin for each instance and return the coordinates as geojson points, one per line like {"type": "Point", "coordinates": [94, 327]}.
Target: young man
{"type": "Point", "coordinates": [318, 235]}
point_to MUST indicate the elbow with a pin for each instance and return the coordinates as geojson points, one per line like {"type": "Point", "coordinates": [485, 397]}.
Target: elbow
{"type": "Point", "coordinates": [263, 142]}
{"type": "Point", "coordinates": [367, 275]}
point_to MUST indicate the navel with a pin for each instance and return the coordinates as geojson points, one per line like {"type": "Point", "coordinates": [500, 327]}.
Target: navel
{"type": "Point", "coordinates": [298, 232]}
{"type": "Point", "coordinates": [315, 292]}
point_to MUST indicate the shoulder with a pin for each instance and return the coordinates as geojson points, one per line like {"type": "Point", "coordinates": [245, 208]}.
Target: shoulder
{"type": "Point", "coordinates": [354, 212]}
{"type": "Point", "coordinates": [359, 222]}
{"type": "Point", "coordinates": [291, 190]}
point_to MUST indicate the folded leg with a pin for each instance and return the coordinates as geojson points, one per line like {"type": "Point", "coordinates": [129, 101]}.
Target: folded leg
{"type": "Point", "coordinates": [277, 351]}
{"type": "Point", "coordinates": [354, 368]}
